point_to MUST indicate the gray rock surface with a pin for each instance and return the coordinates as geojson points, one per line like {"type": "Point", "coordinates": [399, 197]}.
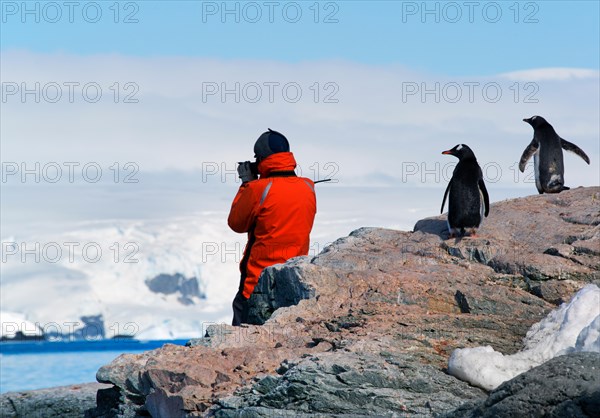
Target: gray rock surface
{"type": "Point", "coordinates": [343, 384]}
{"type": "Point", "coordinates": [279, 287]}
{"type": "Point", "coordinates": [60, 402]}
{"type": "Point", "coordinates": [565, 386]}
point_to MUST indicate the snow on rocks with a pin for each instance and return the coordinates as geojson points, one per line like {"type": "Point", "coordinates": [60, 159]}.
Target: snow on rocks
{"type": "Point", "coordinates": [573, 327]}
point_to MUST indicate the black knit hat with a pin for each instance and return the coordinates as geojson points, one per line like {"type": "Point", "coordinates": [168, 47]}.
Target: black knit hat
{"type": "Point", "coordinates": [270, 143]}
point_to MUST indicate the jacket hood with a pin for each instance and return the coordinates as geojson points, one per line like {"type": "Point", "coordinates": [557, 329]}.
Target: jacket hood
{"type": "Point", "coordinates": [281, 161]}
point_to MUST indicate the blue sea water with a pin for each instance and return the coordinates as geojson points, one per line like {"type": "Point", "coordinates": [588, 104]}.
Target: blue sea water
{"type": "Point", "coordinates": [43, 364]}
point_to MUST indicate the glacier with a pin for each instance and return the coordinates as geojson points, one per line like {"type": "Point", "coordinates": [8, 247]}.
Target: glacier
{"type": "Point", "coordinates": [54, 296]}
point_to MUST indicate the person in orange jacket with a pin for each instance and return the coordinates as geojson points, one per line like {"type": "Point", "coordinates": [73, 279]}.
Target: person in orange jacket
{"type": "Point", "coordinates": [277, 212]}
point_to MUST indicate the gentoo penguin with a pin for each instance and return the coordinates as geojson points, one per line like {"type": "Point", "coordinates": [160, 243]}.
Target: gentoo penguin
{"type": "Point", "coordinates": [469, 200]}
{"type": "Point", "coordinates": [546, 148]}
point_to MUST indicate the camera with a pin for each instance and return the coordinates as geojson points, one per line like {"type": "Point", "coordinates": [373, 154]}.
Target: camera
{"type": "Point", "coordinates": [254, 168]}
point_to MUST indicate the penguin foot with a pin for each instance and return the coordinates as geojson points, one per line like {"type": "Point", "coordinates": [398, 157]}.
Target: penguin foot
{"type": "Point", "coordinates": [455, 233]}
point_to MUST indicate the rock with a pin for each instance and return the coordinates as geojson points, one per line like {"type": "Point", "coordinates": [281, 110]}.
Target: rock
{"type": "Point", "coordinates": [342, 384]}
{"type": "Point", "coordinates": [168, 284]}
{"type": "Point", "coordinates": [367, 326]}
{"type": "Point", "coordinates": [552, 238]}
{"type": "Point", "coordinates": [59, 402]}
{"type": "Point", "coordinates": [565, 386]}
{"type": "Point", "coordinates": [279, 287]}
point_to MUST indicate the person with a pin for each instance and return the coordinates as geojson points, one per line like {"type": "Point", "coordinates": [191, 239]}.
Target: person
{"type": "Point", "coordinates": [277, 212]}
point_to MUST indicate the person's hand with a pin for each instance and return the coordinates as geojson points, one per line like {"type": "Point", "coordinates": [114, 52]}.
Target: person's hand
{"type": "Point", "coordinates": [245, 172]}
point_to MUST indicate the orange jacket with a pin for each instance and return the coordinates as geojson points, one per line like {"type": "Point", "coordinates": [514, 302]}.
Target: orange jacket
{"type": "Point", "coordinates": [277, 211]}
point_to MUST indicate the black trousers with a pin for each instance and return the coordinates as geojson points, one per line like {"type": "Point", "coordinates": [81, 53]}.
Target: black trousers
{"type": "Point", "coordinates": [240, 309]}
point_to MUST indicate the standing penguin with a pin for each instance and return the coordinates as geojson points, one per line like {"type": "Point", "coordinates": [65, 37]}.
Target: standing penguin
{"type": "Point", "coordinates": [546, 148]}
{"type": "Point", "coordinates": [469, 200]}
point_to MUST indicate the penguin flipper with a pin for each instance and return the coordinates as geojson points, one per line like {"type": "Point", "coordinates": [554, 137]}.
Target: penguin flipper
{"type": "Point", "coordinates": [486, 197]}
{"type": "Point", "coordinates": [568, 146]}
{"type": "Point", "coordinates": [445, 195]}
{"type": "Point", "coordinates": [529, 151]}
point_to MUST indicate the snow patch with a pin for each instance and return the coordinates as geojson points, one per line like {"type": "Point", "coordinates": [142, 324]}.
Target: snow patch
{"type": "Point", "coordinates": [572, 327]}
{"type": "Point", "coordinates": [12, 322]}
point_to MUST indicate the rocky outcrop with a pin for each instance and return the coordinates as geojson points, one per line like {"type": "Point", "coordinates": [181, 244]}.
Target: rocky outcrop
{"type": "Point", "coordinates": [278, 288]}
{"type": "Point", "coordinates": [565, 386]}
{"type": "Point", "coordinates": [367, 326]}
{"type": "Point", "coordinates": [63, 402]}
{"type": "Point", "coordinates": [547, 242]}
{"type": "Point", "coordinates": [177, 283]}
{"type": "Point", "coordinates": [350, 384]}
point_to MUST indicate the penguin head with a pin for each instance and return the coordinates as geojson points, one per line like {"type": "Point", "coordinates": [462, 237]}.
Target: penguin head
{"type": "Point", "coordinates": [460, 151]}
{"type": "Point", "coordinates": [535, 121]}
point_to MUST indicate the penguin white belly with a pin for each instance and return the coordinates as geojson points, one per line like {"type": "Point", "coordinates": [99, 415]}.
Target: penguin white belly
{"type": "Point", "coordinates": [536, 168]}
{"type": "Point", "coordinates": [481, 207]}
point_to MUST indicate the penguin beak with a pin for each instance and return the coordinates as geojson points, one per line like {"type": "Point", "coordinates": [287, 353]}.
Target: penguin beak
{"type": "Point", "coordinates": [449, 152]}
{"type": "Point", "coordinates": [528, 120]}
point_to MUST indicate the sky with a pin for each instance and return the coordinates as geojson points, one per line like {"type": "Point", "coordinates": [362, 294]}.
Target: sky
{"type": "Point", "coordinates": [368, 93]}
{"type": "Point", "coordinates": [440, 37]}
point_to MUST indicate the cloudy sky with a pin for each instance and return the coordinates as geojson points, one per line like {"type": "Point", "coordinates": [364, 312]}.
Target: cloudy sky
{"type": "Point", "coordinates": [368, 93]}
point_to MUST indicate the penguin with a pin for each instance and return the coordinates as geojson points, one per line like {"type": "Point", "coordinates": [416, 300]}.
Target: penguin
{"type": "Point", "coordinates": [469, 201]}
{"type": "Point", "coordinates": [546, 148]}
